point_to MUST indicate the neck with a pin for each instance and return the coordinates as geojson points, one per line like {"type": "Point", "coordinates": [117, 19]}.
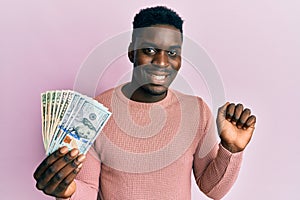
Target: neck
{"type": "Point", "coordinates": [135, 93]}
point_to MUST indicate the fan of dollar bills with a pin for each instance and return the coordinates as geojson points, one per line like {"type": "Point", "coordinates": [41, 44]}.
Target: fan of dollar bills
{"type": "Point", "coordinates": [71, 119]}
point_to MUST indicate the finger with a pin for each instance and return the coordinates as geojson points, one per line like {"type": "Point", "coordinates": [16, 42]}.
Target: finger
{"type": "Point", "coordinates": [243, 118]}
{"type": "Point", "coordinates": [237, 113]}
{"type": "Point", "coordinates": [63, 174]}
{"type": "Point", "coordinates": [55, 167]}
{"type": "Point", "coordinates": [68, 180]}
{"type": "Point", "coordinates": [49, 160]}
{"type": "Point", "coordinates": [230, 111]}
{"type": "Point", "coordinates": [250, 122]}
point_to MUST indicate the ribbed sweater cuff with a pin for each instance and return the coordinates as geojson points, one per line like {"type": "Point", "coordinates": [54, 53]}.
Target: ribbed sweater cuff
{"type": "Point", "coordinates": [226, 156]}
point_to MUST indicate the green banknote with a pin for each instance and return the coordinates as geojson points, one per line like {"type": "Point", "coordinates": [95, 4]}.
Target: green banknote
{"type": "Point", "coordinates": [71, 119]}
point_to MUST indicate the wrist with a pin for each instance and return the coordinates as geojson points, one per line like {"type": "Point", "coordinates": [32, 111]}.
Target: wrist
{"type": "Point", "coordinates": [231, 147]}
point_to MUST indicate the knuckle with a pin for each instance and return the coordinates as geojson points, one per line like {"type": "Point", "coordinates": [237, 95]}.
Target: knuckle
{"type": "Point", "coordinates": [51, 169]}
{"type": "Point", "coordinates": [76, 171]}
{"type": "Point", "coordinates": [56, 154]}
{"type": "Point", "coordinates": [59, 189]}
{"type": "Point", "coordinates": [74, 164]}
{"type": "Point", "coordinates": [39, 186]}
{"type": "Point", "coordinates": [67, 158]}
{"type": "Point", "coordinates": [45, 163]}
{"type": "Point", "coordinates": [35, 176]}
{"type": "Point", "coordinates": [66, 182]}
{"type": "Point", "coordinates": [58, 176]}
{"type": "Point", "coordinates": [47, 191]}
{"type": "Point", "coordinates": [42, 176]}
{"type": "Point", "coordinates": [48, 160]}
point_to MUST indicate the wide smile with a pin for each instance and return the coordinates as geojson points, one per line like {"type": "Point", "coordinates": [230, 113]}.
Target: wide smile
{"type": "Point", "coordinates": [159, 77]}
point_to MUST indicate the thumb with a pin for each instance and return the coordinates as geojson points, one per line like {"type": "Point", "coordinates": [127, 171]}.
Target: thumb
{"type": "Point", "coordinates": [222, 111]}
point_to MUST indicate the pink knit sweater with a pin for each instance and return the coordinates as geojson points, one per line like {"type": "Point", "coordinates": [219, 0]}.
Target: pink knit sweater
{"type": "Point", "coordinates": [147, 151]}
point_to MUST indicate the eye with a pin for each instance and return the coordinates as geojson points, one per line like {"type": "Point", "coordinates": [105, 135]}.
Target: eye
{"type": "Point", "coordinates": [172, 53]}
{"type": "Point", "coordinates": [149, 50]}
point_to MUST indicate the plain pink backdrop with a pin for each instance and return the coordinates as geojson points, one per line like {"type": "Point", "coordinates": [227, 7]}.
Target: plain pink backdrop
{"type": "Point", "coordinates": [254, 44]}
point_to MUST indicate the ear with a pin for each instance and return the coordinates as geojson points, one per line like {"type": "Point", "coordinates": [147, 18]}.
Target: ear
{"type": "Point", "coordinates": [131, 52]}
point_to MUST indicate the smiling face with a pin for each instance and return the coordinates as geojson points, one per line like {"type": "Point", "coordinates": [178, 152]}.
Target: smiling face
{"type": "Point", "coordinates": [156, 56]}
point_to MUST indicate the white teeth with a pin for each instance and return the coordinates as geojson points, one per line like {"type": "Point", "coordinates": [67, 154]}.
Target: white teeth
{"type": "Point", "coordinates": [158, 77]}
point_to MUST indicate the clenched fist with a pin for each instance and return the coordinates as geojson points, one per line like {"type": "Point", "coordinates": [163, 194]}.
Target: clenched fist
{"type": "Point", "coordinates": [235, 126]}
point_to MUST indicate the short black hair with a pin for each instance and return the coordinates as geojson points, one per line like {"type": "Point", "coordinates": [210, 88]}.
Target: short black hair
{"type": "Point", "coordinates": [157, 15]}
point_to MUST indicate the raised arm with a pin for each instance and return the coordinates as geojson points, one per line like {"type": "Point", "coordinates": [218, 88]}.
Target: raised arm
{"type": "Point", "coordinates": [216, 169]}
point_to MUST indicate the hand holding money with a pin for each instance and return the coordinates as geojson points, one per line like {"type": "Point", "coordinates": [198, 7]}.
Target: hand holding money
{"type": "Point", "coordinates": [70, 124]}
{"type": "Point", "coordinates": [55, 175]}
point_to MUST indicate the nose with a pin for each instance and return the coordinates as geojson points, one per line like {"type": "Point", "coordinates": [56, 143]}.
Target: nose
{"type": "Point", "coordinates": [161, 59]}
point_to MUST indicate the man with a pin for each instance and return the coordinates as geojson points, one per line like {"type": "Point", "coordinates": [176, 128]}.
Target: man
{"type": "Point", "coordinates": [156, 135]}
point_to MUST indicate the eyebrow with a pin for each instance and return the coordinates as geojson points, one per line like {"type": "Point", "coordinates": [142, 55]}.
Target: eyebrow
{"type": "Point", "coordinates": [155, 46]}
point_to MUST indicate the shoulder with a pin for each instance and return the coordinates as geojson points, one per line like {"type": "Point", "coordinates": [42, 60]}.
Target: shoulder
{"type": "Point", "coordinates": [187, 98]}
{"type": "Point", "coordinates": [193, 104]}
{"type": "Point", "coordinates": [105, 93]}
{"type": "Point", "coordinates": [105, 97]}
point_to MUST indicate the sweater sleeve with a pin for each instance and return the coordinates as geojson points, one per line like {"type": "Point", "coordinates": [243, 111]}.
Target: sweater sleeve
{"type": "Point", "coordinates": [215, 168]}
{"type": "Point", "coordinates": [216, 173]}
{"type": "Point", "coordinates": [87, 180]}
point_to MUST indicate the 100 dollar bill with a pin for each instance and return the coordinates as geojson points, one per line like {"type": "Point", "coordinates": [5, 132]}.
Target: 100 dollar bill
{"type": "Point", "coordinates": [71, 119]}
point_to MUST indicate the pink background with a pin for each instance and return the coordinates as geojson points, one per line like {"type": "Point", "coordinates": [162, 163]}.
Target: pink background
{"type": "Point", "coordinates": [254, 44]}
